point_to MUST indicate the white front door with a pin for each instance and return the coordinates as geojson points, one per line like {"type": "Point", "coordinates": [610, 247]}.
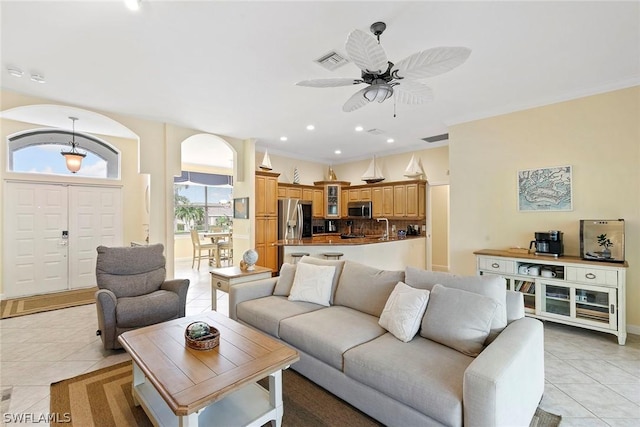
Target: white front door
{"type": "Point", "coordinates": [51, 234]}
{"type": "Point", "coordinates": [95, 218]}
{"type": "Point", "coordinates": [35, 250]}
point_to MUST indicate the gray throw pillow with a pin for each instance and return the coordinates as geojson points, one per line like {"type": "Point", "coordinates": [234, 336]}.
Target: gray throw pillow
{"type": "Point", "coordinates": [285, 280]}
{"type": "Point", "coordinates": [458, 319]}
{"type": "Point", "coordinates": [494, 287]}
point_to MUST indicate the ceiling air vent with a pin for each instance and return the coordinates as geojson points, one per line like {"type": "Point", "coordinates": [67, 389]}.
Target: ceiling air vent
{"type": "Point", "coordinates": [436, 138]}
{"type": "Point", "coordinates": [375, 131]}
{"type": "Point", "coordinates": [332, 60]}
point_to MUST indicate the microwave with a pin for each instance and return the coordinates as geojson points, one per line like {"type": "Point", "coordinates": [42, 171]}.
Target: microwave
{"type": "Point", "coordinates": [359, 210]}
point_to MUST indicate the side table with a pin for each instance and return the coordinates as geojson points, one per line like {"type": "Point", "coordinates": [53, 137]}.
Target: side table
{"type": "Point", "coordinates": [223, 278]}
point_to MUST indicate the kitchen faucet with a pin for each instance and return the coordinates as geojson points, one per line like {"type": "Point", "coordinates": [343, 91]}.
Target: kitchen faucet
{"type": "Point", "coordinates": [386, 233]}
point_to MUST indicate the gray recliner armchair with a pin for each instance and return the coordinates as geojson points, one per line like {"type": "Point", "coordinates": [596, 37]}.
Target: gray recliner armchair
{"type": "Point", "coordinates": [133, 291]}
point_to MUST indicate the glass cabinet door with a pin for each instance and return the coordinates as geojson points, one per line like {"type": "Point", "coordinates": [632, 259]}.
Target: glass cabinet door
{"type": "Point", "coordinates": [596, 305]}
{"type": "Point", "coordinates": [333, 196]}
{"type": "Point", "coordinates": [555, 300]}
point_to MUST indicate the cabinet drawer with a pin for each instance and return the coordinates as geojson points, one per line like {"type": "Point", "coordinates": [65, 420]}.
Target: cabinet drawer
{"type": "Point", "coordinates": [591, 275]}
{"type": "Point", "coordinates": [497, 265]}
{"type": "Point", "coordinates": [220, 284]}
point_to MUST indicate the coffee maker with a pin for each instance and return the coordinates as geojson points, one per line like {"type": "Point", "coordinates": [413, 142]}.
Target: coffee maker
{"type": "Point", "coordinates": [548, 243]}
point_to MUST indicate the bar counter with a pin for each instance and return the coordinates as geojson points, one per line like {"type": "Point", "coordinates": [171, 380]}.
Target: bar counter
{"type": "Point", "coordinates": [335, 239]}
{"type": "Point", "coordinates": [391, 254]}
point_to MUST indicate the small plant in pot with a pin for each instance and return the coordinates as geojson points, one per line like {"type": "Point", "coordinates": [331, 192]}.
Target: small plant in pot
{"type": "Point", "coordinates": [606, 244]}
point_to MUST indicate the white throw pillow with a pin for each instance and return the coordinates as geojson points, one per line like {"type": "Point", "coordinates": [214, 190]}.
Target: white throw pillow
{"type": "Point", "coordinates": [458, 319]}
{"type": "Point", "coordinates": [402, 314]}
{"type": "Point", "coordinates": [312, 283]}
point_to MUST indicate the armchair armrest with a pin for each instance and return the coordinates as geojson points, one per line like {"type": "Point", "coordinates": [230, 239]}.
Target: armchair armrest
{"type": "Point", "coordinates": [106, 302]}
{"type": "Point", "coordinates": [248, 291]}
{"type": "Point", "coordinates": [504, 384]}
{"type": "Point", "coordinates": [180, 287]}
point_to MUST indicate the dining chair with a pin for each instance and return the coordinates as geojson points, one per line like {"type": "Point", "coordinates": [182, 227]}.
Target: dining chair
{"type": "Point", "coordinates": [225, 248]}
{"type": "Point", "coordinates": [201, 249]}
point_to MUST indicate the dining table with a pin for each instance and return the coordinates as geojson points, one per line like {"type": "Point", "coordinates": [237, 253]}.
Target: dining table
{"type": "Point", "coordinates": [218, 237]}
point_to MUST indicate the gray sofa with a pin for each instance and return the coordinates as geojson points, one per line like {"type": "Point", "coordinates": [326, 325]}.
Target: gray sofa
{"type": "Point", "coordinates": [421, 382]}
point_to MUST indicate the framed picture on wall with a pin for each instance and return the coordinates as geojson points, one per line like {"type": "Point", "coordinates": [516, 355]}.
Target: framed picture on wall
{"type": "Point", "coordinates": [241, 208]}
{"type": "Point", "coordinates": [545, 189]}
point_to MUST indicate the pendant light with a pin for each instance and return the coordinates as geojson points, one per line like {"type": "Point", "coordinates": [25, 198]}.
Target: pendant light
{"type": "Point", "coordinates": [73, 157]}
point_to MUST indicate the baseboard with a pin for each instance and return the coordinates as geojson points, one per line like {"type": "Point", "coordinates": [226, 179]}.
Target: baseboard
{"type": "Point", "coordinates": [633, 329]}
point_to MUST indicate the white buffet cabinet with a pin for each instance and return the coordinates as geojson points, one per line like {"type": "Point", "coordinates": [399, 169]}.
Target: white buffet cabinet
{"type": "Point", "coordinates": [582, 293]}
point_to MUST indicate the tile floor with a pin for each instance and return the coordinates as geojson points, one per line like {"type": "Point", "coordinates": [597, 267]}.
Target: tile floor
{"type": "Point", "coordinates": [590, 379]}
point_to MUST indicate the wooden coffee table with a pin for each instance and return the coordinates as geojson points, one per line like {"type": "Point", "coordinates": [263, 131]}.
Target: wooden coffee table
{"type": "Point", "coordinates": [179, 386]}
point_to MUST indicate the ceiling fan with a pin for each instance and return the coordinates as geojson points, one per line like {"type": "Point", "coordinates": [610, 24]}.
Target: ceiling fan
{"type": "Point", "coordinates": [383, 78]}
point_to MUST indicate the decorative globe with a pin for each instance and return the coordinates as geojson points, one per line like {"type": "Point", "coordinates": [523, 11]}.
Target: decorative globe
{"type": "Point", "coordinates": [250, 257]}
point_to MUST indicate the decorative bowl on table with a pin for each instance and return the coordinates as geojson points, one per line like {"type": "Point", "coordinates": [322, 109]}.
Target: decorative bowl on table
{"type": "Point", "coordinates": [201, 336]}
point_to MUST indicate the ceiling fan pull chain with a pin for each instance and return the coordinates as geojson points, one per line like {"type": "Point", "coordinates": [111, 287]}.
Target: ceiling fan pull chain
{"type": "Point", "coordinates": [394, 106]}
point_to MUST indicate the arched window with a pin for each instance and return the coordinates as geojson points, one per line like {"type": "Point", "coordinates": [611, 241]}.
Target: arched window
{"type": "Point", "coordinates": [38, 151]}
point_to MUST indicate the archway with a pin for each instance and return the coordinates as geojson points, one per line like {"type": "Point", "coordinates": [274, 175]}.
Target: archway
{"type": "Point", "coordinates": [207, 166]}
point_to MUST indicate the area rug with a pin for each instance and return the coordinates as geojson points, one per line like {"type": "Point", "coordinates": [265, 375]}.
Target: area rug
{"type": "Point", "coordinates": [39, 303]}
{"type": "Point", "coordinates": [103, 398]}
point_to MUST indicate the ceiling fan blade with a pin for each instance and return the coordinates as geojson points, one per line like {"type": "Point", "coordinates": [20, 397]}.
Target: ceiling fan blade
{"type": "Point", "coordinates": [364, 50]}
{"type": "Point", "coordinates": [356, 101]}
{"type": "Point", "coordinates": [330, 82]}
{"type": "Point", "coordinates": [431, 62]}
{"type": "Point", "coordinates": [412, 92]}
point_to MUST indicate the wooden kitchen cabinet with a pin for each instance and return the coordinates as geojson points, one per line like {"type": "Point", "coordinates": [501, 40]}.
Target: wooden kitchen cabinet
{"type": "Point", "coordinates": [344, 209]}
{"type": "Point", "coordinates": [334, 198]}
{"type": "Point", "coordinates": [318, 203]}
{"type": "Point", "coordinates": [382, 201]}
{"type": "Point", "coordinates": [307, 194]}
{"type": "Point", "coordinates": [266, 218]}
{"type": "Point", "coordinates": [409, 200]}
{"type": "Point", "coordinates": [359, 194]}
{"type": "Point", "coordinates": [399, 200]}
{"type": "Point", "coordinates": [266, 193]}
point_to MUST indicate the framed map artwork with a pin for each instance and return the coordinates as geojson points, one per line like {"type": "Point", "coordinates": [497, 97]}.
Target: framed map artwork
{"type": "Point", "coordinates": [546, 189]}
{"type": "Point", "coordinates": [241, 208]}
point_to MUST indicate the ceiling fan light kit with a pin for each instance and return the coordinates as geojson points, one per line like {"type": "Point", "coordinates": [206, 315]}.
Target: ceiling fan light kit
{"type": "Point", "coordinates": [383, 77]}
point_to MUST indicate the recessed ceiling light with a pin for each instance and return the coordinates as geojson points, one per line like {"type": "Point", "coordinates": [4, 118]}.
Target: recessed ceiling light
{"type": "Point", "coordinates": [283, 138]}
{"type": "Point", "coordinates": [15, 72]}
{"type": "Point", "coordinates": [338, 152]}
{"type": "Point", "coordinates": [390, 140]}
{"type": "Point", "coordinates": [37, 78]}
{"type": "Point", "coordinates": [132, 4]}
{"type": "Point", "coordinates": [359, 128]}
{"type": "Point", "coordinates": [310, 127]}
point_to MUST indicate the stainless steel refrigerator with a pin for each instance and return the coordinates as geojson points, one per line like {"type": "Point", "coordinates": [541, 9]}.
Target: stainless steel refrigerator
{"type": "Point", "coordinates": [294, 222]}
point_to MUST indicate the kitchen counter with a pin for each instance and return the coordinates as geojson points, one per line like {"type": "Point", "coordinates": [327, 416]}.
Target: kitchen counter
{"type": "Point", "coordinates": [335, 240]}
{"type": "Point", "coordinates": [391, 254]}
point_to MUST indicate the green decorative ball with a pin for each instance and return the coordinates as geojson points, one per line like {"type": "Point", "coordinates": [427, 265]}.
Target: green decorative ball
{"type": "Point", "coordinates": [197, 330]}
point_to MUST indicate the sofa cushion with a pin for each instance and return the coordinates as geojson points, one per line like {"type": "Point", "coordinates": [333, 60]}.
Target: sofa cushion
{"type": "Point", "coordinates": [329, 332]}
{"type": "Point", "coordinates": [339, 265]}
{"type": "Point", "coordinates": [494, 287]}
{"type": "Point", "coordinates": [285, 280]}
{"type": "Point", "coordinates": [144, 310]}
{"type": "Point", "coordinates": [402, 314]}
{"type": "Point", "coordinates": [359, 280]}
{"type": "Point", "coordinates": [266, 313]}
{"type": "Point", "coordinates": [312, 283]}
{"type": "Point", "coordinates": [422, 374]}
{"type": "Point", "coordinates": [458, 319]}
